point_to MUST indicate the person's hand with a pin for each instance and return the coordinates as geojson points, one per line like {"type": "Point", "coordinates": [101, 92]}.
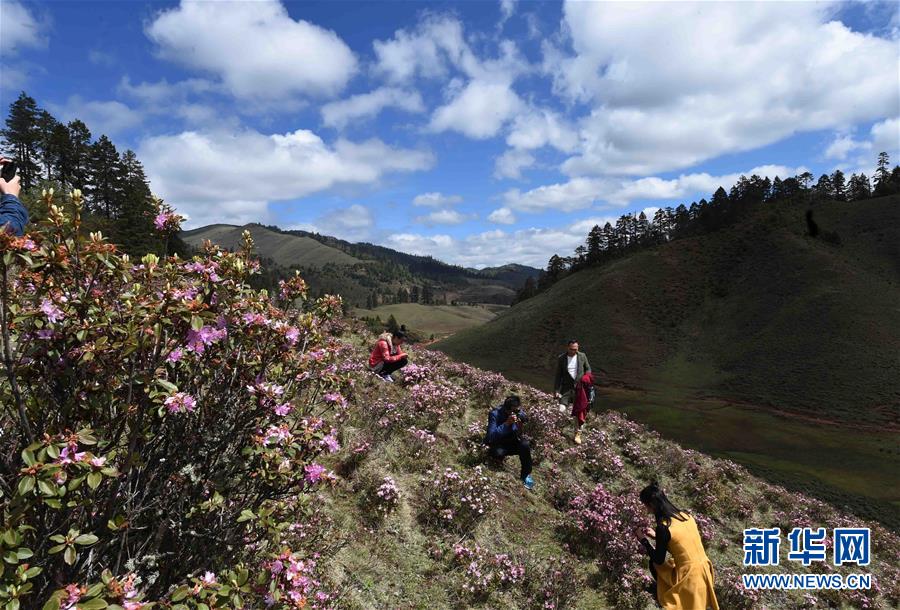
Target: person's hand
{"type": "Point", "coordinates": [557, 395]}
{"type": "Point", "coordinates": [512, 419]}
{"type": "Point", "coordinates": [13, 187]}
{"type": "Point", "coordinates": [651, 533]}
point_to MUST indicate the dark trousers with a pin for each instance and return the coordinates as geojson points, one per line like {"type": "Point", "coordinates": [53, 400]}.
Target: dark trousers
{"type": "Point", "coordinates": [386, 368]}
{"type": "Point", "coordinates": [520, 447]}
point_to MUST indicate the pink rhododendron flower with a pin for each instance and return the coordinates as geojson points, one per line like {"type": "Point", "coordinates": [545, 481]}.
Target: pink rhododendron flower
{"type": "Point", "coordinates": [331, 443]}
{"type": "Point", "coordinates": [283, 409]}
{"type": "Point", "coordinates": [97, 462]}
{"type": "Point", "coordinates": [197, 340]}
{"type": "Point", "coordinates": [314, 473]}
{"type": "Point", "coordinates": [53, 313]}
{"type": "Point", "coordinates": [175, 355]}
{"type": "Point", "coordinates": [180, 402]}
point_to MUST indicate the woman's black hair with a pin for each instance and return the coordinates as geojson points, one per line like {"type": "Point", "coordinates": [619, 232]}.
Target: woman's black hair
{"type": "Point", "coordinates": [400, 334]}
{"type": "Point", "coordinates": [665, 511]}
{"type": "Point", "coordinates": [512, 402]}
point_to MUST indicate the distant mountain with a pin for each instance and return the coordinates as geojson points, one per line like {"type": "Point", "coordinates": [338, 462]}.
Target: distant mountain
{"type": "Point", "coordinates": [281, 248]}
{"type": "Point", "coordinates": [513, 273]}
{"type": "Point", "coordinates": [362, 271]}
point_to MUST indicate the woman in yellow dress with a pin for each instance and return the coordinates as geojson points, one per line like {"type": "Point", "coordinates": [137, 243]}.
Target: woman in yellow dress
{"type": "Point", "coordinates": [684, 582]}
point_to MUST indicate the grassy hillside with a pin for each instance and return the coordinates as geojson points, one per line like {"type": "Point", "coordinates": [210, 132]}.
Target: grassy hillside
{"type": "Point", "coordinates": [756, 342]}
{"type": "Point", "coordinates": [757, 313]}
{"type": "Point", "coordinates": [284, 250]}
{"type": "Point", "coordinates": [458, 531]}
{"type": "Point", "coordinates": [438, 320]}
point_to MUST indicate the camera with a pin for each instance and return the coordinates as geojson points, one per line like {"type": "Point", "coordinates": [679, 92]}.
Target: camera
{"type": "Point", "coordinates": [9, 171]}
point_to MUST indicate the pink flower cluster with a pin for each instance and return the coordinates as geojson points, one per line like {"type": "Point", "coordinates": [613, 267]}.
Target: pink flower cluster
{"type": "Point", "coordinates": [386, 498]}
{"type": "Point", "coordinates": [49, 308]}
{"type": "Point", "coordinates": [608, 526]}
{"type": "Point", "coordinates": [180, 402]}
{"type": "Point", "coordinates": [295, 582]}
{"type": "Point", "coordinates": [485, 572]}
{"type": "Point", "coordinates": [167, 222]}
{"type": "Point", "coordinates": [456, 500]}
{"type": "Point", "coordinates": [198, 340]}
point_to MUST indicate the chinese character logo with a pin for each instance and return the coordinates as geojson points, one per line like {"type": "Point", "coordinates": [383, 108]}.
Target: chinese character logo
{"type": "Point", "coordinates": [807, 545]}
{"type": "Point", "coordinates": [761, 546]}
{"type": "Point", "coordinates": [852, 545]}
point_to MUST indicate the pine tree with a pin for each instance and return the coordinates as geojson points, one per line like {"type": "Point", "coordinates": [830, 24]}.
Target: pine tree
{"type": "Point", "coordinates": [79, 163]}
{"type": "Point", "coordinates": [661, 224]}
{"type": "Point", "coordinates": [882, 174]}
{"type": "Point", "coordinates": [594, 245]}
{"type": "Point", "coordinates": [838, 185]}
{"type": "Point", "coordinates": [642, 227]}
{"type": "Point", "coordinates": [392, 324]}
{"type": "Point", "coordinates": [106, 178]}
{"type": "Point", "coordinates": [719, 198]}
{"type": "Point", "coordinates": [46, 124]}
{"type": "Point", "coordinates": [135, 208]}
{"type": "Point", "coordinates": [414, 295]}
{"type": "Point", "coordinates": [824, 188]}
{"type": "Point", "coordinates": [22, 138]}
{"type": "Point", "coordinates": [427, 294]}
{"type": "Point", "coordinates": [60, 146]}
{"type": "Point", "coordinates": [805, 179]}
{"type": "Point", "coordinates": [858, 188]}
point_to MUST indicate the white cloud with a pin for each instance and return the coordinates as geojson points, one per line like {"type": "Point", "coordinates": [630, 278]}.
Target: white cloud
{"type": "Point", "coordinates": [886, 136]}
{"type": "Point", "coordinates": [443, 217]}
{"type": "Point", "coordinates": [163, 92]}
{"type": "Point", "coordinates": [231, 177]}
{"type": "Point", "coordinates": [858, 155]}
{"type": "Point", "coordinates": [428, 52]}
{"type": "Point", "coordinates": [479, 111]}
{"type": "Point", "coordinates": [434, 200]}
{"type": "Point", "coordinates": [19, 28]}
{"type": "Point", "coordinates": [502, 216]}
{"type": "Point", "coordinates": [583, 192]}
{"type": "Point", "coordinates": [842, 146]}
{"type": "Point", "coordinates": [507, 8]}
{"type": "Point", "coordinates": [539, 128]}
{"type": "Point", "coordinates": [354, 223]}
{"type": "Point", "coordinates": [256, 48]}
{"type": "Point", "coordinates": [368, 105]}
{"type": "Point", "coordinates": [511, 163]}
{"type": "Point", "coordinates": [718, 78]}
{"type": "Point", "coordinates": [108, 117]}
{"type": "Point", "coordinates": [493, 248]}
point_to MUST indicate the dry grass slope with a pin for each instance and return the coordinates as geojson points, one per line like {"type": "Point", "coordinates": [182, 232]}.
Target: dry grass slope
{"type": "Point", "coordinates": [285, 250]}
{"type": "Point", "coordinates": [406, 560]}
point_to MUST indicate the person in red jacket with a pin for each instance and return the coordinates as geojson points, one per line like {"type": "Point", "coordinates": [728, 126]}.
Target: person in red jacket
{"type": "Point", "coordinates": [387, 355]}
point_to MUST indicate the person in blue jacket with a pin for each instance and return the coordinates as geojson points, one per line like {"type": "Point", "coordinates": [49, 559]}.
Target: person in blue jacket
{"type": "Point", "coordinates": [504, 436]}
{"type": "Point", "coordinates": [13, 215]}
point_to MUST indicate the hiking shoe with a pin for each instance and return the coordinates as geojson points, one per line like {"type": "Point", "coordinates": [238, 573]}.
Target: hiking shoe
{"type": "Point", "coordinates": [578, 437]}
{"type": "Point", "coordinates": [562, 408]}
{"type": "Point", "coordinates": [387, 378]}
{"type": "Point", "coordinates": [529, 483]}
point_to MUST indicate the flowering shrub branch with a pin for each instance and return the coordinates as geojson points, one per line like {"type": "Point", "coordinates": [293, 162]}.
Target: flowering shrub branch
{"type": "Point", "coordinates": [169, 413]}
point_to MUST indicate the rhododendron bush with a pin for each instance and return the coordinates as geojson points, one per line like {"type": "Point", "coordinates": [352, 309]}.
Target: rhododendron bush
{"type": "Point", "coordinates": [161, 423]}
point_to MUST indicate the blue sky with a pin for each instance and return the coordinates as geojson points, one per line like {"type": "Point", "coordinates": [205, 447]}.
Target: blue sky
{"type": "Point", "coordinates": [479, 132]}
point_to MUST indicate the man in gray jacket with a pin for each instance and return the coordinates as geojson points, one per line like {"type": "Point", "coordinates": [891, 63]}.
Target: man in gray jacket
{"type": "Point", "coordinates": [570, 366]}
